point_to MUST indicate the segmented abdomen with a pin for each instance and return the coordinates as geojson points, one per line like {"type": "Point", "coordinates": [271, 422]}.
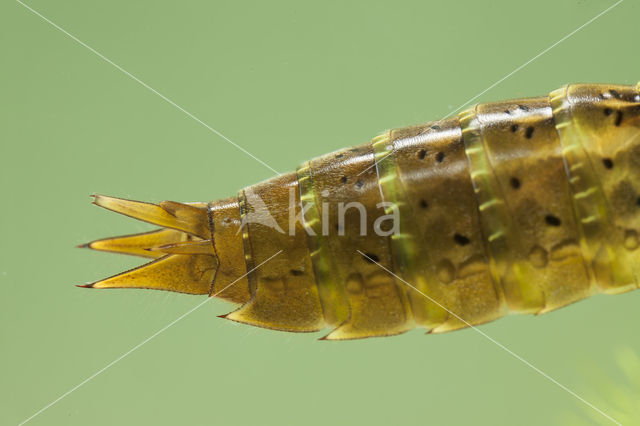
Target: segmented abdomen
{"type": "Point", "coordinates": [521, 206]}
{"type": "Point", "coordinates": [509, 207]}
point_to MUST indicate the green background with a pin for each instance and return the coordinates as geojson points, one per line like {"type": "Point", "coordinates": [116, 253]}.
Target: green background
{"type": "Point", "coordinates": [287, 81]}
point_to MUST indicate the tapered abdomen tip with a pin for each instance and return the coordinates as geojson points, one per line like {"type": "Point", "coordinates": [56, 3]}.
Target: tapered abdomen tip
{"type": "Point", "coordinates": [84, 285]}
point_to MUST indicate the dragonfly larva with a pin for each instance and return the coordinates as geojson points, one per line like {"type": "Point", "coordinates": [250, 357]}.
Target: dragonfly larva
{"type": "Point", "coordinates": [521, 206]}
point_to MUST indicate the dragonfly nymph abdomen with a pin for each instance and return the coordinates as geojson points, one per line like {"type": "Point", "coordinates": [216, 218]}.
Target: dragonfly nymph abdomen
{"type": "Point", "coordinates": [521, 206]}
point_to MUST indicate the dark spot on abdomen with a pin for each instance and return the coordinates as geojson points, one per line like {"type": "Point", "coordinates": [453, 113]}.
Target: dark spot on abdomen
{"type": "Point", "coordinates": [371, 258]}
{"type": "Point", "coordinates": [618, 118]}
{"type": "Point", "coordinates": [461, 240]}
{"type": "Point", "coordinates": [529, 132]}
{"type": "Point", "coordinates": [552, 220]}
